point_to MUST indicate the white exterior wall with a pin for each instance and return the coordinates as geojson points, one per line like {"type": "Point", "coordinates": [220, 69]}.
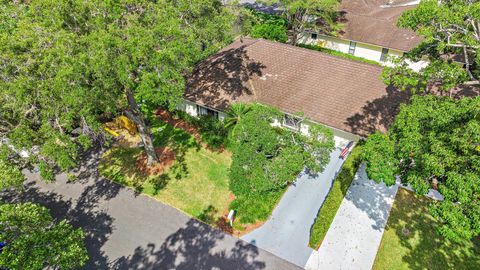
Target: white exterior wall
{"type": "Point", "coordinates": [367, 51]}
{"type": "Point", "coordinates": [191, 109]}
{"type": "Point", "coordinates": [188, 107]}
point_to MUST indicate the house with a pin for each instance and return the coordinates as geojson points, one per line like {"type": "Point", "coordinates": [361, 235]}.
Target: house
{"type": "Point", "coordinates": [369, 30]}
{"type": "Point", "coordinates": [346, 95]}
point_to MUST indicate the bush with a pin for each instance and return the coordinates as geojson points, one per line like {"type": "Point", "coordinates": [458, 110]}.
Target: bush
{"type": "Point", "coordinates": [330, 206]}
{"type": "Point", "coordinates": [212, 131]}
{"type": "Point", "coordinates": [267, 159]}
{"type": "Point", "coordinates": [270, 31]}
{"type": "Point", "coordinates": [262, 25]}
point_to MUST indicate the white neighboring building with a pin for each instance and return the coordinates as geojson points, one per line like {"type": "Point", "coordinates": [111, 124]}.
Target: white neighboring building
{"type": "Point", "coordinates": [370, 31]}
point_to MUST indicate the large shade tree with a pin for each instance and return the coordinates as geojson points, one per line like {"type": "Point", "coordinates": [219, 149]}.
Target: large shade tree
{"type": "Point", "coordinates": [65, 63]}
{"type": "Point", "coordinates": [434, 143]}
{"type": "Point", "coordinates": [34, 240]}
{"type": "Point", "coordinates": [304, 15]}
{"type": "Point", "coordinates": [451, 46]}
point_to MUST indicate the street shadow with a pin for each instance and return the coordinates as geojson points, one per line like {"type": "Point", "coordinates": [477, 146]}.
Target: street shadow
{"type": "Point", "coordinates": [379, 113]}
{"type": "Point", "coordinates": [372, 198]}
{"type": "Point", "coordinates": [224, 78]}
{"type": "Point", "coordinates": [82, 213]}
{"type": "Point", "coordinates": [195, 246]}
{"type": "Point", "coordinates": [416, 230]}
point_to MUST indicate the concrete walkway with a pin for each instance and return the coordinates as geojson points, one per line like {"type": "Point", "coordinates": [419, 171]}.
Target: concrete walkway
{"type": "Point", "coordinates": [287, 231]}
{"type": "Point", "coordinates": [126, 230]}
{"type": "Point", "coordinates": [356, 231]}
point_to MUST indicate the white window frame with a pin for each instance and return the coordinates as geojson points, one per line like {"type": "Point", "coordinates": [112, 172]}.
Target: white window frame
{"type": "Point", "coordinates": [352, 47]}
{"type": "Point", "coordinates": [383, 56]}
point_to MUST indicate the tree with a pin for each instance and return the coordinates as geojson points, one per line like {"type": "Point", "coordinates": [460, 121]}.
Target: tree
{"type": "Point", "coordinates": [433, 143]}
{"type": "Point", "coordinates": [262, 25]}
{"type": "Point", "coordinates": [304, 14]}
{"type": "Point", "coordinates": [67, 63]}
{"type": "Point", "coordinates": [34, 241]}
{"type": "Point", "coordinates": [450, 30]}
{"type": "Point", "coordinates": [145, 49]}
{"type": "Point", "coordinates": [265, 159]}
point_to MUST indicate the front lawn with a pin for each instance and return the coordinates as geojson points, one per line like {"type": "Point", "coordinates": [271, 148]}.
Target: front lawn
{"type": "Point", "coordinates": [410, 240]}
{"type": "Point", "coordinates": [196, 183]}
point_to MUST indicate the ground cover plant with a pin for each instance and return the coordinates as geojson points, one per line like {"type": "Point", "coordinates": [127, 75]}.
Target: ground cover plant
{"type": "Point", "coordinates": [266, 159]}
{"type": "Point", "coordinates": [433, 143]}
{"type": "Point", "coordinates": [330, 206]}
{"type": "Point", "coordinates": [195, 181]}
{"type": "Point", "coordinates": [411, 237]}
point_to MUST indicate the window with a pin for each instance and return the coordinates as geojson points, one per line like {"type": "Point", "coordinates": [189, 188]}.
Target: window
{"type": "Point", "coordinates": [206, 111]}
{"type": "Point", "coordinates": [384, 55]}
{"type": "Point", "coordinates": [314, 35]}
{"type": "Point", "coordinates": [292, 121]}
{"type": "Point", "coordinates": [351, 49]}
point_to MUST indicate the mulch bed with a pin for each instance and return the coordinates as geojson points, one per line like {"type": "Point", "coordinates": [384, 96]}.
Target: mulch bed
{"type": "Point", "coordinates": [166, 117]}
{"type": "Point", "coordinates": [166, 156]}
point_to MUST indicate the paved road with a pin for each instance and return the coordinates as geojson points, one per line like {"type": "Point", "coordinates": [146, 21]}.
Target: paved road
{"type": "Point", "coordinates": [356, 231]}
{"type": "Point", "coordinates": [287, 231]}
{"type": "Point", "coordinates": [131, 231]}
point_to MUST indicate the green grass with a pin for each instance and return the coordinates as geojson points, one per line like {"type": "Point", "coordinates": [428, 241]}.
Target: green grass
{"type": "Point", "coordinates": [337, 53]}
{"type": "Point", "coordinates": [335, 197]}
{"type": "Point", "coordinates": [197, 183]}
{"type": "Point", "coordinates": [411, 240]}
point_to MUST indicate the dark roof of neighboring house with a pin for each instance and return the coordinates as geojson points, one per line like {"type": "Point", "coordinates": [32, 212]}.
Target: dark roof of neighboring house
{"type": "Point", "coordinates": [334, 91]}
{"type": "Point", "coordinates": [368, 21]}
{"type": "Point", "coordinates": [374, 22]}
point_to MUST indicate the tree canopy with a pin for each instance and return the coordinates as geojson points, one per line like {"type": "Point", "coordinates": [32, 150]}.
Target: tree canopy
{"type": "Point", "coordinates": [266, 159]}
{"type": "Point", "coordinates": [34, 241]}
{"type": "Point", "coordinates": [67, 63]}
{"type": "Point", "coordinates": [302, 15]}
{"type": "Point", "coordinates": [434, 142]}
{"type": "Point", "coordinates": [451, 44]}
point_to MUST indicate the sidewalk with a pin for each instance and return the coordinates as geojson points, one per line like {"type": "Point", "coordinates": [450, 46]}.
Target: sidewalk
{"type": "Point", "coordinates": [356, 231]}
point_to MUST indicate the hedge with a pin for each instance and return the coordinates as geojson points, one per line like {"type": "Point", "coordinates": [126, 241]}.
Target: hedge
{"type": "Point", "coordinates": [331, 204]}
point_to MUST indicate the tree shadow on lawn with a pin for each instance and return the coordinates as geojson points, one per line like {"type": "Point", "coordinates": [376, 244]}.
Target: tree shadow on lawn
{"type": "Point", "coordinates": [195, 246]}
{"type": "Point", "coordinates": [417, 231]}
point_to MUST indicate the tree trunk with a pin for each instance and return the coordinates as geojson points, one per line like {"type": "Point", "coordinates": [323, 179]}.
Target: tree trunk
{"type": "Point", "coordinates": [136, 116]}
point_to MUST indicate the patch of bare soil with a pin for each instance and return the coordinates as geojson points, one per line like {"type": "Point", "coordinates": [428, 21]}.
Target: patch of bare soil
{"type": "Point", "coordinates": [166, 156]}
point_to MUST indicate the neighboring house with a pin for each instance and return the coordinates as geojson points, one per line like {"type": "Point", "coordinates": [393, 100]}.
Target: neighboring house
{"type": "Point", "coordinates": [370, 31]}
{"type": "Point", "coordinates": [345, 95]}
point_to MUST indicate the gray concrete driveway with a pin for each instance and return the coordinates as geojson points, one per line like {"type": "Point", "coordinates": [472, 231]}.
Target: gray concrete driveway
{"type": "Point", "coordinates": [287, 231]}
{"type": "Point", "coordinates": [355, 234]}
{"type": "Point", "coordinates": [126, 230]}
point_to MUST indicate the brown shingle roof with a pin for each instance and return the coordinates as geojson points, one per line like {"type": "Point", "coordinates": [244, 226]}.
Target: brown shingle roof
{"type": "Point", "coordinates": [373, 22]}
{"type": "Point", "coordinates": [337, 92]}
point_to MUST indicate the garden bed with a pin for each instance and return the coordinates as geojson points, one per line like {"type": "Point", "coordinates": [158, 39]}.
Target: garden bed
{"type": "Point", "coordinates": [335, 197]}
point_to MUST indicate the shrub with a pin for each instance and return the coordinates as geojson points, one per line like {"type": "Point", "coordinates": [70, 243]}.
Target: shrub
{"type": "Point", "coordinates": [330, 206]}
{"type": "Point", "coordinates": [212, 131]}
{"type": "Point", "coordinates": [270, 31]}
{"type": "Point", "coordinates": [267, 159]}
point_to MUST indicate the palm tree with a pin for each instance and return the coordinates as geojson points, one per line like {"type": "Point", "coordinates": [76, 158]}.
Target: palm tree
{"type": "Point", "coordinates": [235, 112]}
